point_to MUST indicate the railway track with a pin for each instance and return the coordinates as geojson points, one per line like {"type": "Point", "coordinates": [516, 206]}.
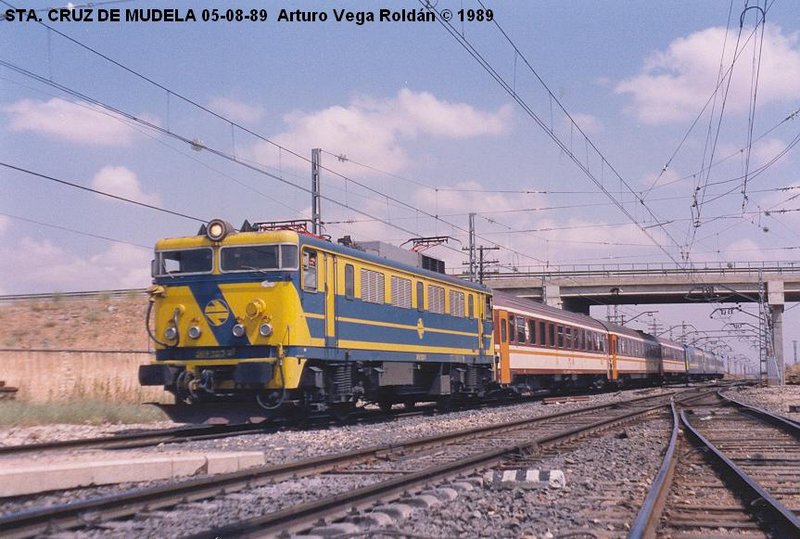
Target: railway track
{"type": "Point", "coordinates": [735, 473]}
{"type": "Point", "coordinates": [385, 472]}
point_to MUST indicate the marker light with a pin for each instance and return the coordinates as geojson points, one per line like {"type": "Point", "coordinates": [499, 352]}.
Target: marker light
{"type": "Point", "coordinates": [238, 330]}
{"type": "Point", "coordinates": [195, 332]}
{"type": "Point", "coordinates": [265, 330]}
{"type": "Point", "coordinates": [171, 333]}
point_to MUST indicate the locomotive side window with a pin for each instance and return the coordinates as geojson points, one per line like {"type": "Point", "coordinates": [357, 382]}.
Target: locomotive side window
{"type": "Point", "coordinates": [435, 299]}
{"type": "Point", "coordinates": [456, 303]}
{"type": "Point", "coordinates": [183, 261]}
{"type": "Point", "coordinates": [349, 281]}
{"type": "Point", "coordinates": [310, 270]}
{"type": "Point", "coordinates": [488, 312]}
{"type": "Point", "coordinates": [401, 292]}
{"type": "Point", "coordinates": [471, 306]}
{"type": "Point", "coordinates": [420, 296]}
{"type": "Point", "coordinates": [373, 286]}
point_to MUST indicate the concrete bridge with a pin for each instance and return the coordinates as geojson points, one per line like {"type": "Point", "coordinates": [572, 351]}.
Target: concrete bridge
{"type": "Point", "coordinates": [577, 287]}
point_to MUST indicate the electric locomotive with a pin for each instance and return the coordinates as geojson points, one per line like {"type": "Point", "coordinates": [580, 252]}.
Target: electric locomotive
{"type": "Point", "coordinates": [275, 314]}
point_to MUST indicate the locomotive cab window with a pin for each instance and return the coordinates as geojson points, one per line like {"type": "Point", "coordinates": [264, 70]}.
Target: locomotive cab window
{"type": "Point", "coordinates": [258, 258]}
{"type": "Point", "coordinates": [184, 261]}
{"type": "Point", "coordinates": [310, 270]}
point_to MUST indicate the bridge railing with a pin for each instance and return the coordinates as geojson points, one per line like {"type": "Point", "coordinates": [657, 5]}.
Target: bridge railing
{"type": "Point", "coordinates": [650, 268]}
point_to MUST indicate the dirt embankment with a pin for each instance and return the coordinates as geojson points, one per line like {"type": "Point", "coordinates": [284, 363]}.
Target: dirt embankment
{"type": "Point", "coordinates": [101, 322]}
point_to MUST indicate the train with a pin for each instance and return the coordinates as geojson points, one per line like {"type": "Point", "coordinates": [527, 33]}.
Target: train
{"type": "Point", "coordinates": [273, 314]}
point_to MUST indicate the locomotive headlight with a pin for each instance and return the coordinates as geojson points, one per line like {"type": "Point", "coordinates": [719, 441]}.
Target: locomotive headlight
{"type": "Point", "coordinates": [265, 330]}
{"type": "Point", "coordinates": [217, 229]}
{"type": "Point", "coordinates": [255, 308]}
{"type": "Point", "coordinates": [171, 333]}
{"type": "Point", "coordinates": [195, 332]}
{"type": "Point", "coordinates": [238, 330]}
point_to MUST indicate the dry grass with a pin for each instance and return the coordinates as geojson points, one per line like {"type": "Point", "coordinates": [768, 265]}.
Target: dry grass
{"type": "Point", "coordinates": [22, 414]}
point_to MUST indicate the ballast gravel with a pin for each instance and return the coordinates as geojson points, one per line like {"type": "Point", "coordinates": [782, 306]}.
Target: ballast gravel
{"type": "Point", "coordinates": [605, 479]}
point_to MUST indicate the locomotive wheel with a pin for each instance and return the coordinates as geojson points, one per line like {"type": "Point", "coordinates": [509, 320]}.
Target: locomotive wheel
{"type": "Point", "coordinates": [341, 411]}
{"type": "Point", "coordinates": [183, 391]}
{"type": "Point", "coordinates": [270, 400]}
{"type": "Point", "coordinates": [385, 406]}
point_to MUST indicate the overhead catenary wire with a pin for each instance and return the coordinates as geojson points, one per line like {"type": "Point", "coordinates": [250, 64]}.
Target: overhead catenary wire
{"type": "Point", "coordinates": [486, 65]}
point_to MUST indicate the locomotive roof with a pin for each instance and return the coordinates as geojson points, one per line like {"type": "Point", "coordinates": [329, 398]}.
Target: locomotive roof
{"type": "Point", "coordinates": [290, 236]}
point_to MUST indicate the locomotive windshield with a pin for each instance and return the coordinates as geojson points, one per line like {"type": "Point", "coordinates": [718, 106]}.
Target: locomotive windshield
{"type": "Point", "coordinates": [183, 261]}
{"type": "Point", "coordinates": [258, 257]}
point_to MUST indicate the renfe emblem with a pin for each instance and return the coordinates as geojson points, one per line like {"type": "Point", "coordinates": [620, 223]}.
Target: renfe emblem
{"type": "Point", "coordinates": [217, 312]}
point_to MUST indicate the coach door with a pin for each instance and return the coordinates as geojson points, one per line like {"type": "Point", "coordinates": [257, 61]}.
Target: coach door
{"type": "Point", "coordinates": [328, 286]}
{"type": "Point", "coordinates": [501, 338]}
{"type": "Point", "coordinates": [612, 353]}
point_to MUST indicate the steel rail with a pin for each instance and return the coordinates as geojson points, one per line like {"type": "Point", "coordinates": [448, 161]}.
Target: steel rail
{"type": "Point", "coordinates": [646, 522]}
{"type": "Point", "coordinates": [301, 517]}
{"type": "Point", "coordinates": [135, 440]}
{"type": "Point", "coordinates": [71, 515]}
{"type": "Point", "coordinates": [778, 420]}
{"type": "Point", "coordinates": [785, 520]}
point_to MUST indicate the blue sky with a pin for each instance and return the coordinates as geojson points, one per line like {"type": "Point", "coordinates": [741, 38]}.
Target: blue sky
{"type": "Point", "coordinates": [421, 124]}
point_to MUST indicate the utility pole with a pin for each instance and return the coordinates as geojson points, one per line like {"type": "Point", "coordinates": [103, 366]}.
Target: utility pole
{"type": "Point", "coordinates": [473, 264]}
{"type": "Point", "coordinates": [482, 262]}
{"type": "Point", "coordinates": [316, 199]}
{"type": "Point", "coordinates": [795, 351]}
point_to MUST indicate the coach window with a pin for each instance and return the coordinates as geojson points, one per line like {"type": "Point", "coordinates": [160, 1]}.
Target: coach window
{"type": "Point", "coordinates": [349, 281]}
{"type": "Point", "coordinates": [542, 335]}
{"type": "Point", "coordinates": [503, 331]}
{"type": "Point", "coordinates": [310, 270]}
{"type": "Point", "coordinates": [520, 330]}
{"type": "Point", "coordinates": [560, 336]}
{"type": "Point", "coordinates": [551, 335]}
{"type": "Point", "coordinates": [512, 324]}
{"type": "Point", "coordinates": [532, 331]}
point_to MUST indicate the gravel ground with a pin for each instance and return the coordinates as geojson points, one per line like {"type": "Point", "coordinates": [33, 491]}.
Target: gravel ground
{"type": "Point", "coordinates": [775, 399]}
{"type": "Point", "coordinates": [605, 480]}
{"type": "Point", "coordinates": [288, 445]}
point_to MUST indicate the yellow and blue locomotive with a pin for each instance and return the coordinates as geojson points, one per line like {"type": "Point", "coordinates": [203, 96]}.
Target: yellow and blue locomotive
{"type": "Point", "coordinates": [273, 313]}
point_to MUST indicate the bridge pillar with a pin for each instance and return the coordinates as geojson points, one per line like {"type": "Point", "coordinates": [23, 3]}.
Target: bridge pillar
{"type": "Point", "coordinates": [552, 295]}
{"type": "Point", "coordinates": [775, 300]}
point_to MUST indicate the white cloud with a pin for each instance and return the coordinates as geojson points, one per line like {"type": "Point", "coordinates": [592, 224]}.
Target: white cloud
{"type": "Point", "coordinates": [123, 182]}
{"type": "Point", "coordinates": [673, 85]}
{"type": "Point", "coordinates": [237, 111]}
{"type": "Point", "coordinates": [42, 266]}
{"type": "Point", "coordinates": [68, 120]}
{"type": "Point", "coordinates": [373, 130]}
{"type": "Point", "coordinates": [589, 124]}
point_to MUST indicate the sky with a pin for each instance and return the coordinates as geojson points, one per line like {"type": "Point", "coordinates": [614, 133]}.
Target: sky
{"type": "Point", "coordinates": [579, 132]}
